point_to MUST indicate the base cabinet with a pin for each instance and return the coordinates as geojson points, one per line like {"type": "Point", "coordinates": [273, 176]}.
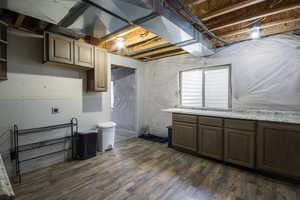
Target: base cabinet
{"type": "Point", "coordinates": [278, 148]}
{"type": "Point", "coordinates": [210, 141]}
{"type": "Point", "coordinates": [239, 147]}
{"type": "Point", "coordinates": [185, 135]}
{"type": "Point", "coordinates": [265, 146]}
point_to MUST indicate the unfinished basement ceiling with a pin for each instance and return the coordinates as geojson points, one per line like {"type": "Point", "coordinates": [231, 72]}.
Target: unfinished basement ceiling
{"type": "Point", "coordinates": [228, 19]}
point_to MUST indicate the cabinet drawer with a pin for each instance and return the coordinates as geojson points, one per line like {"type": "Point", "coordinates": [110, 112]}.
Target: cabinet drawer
{"type": "Point", "coordinates": [210, 121]}
{"type": "Point", "coordinates": [246, 125]}
{"type": "Point", "coordinates": [185, 118]}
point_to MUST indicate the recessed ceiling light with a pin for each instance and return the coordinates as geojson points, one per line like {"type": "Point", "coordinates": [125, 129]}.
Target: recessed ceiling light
{"type": "Point", "coordinates": [119, 43]}
{"type": "Point", "coordinates": [255, 32]}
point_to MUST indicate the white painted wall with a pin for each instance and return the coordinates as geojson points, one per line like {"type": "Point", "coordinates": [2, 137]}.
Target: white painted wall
{"type": "Point", "coordinates": [265, 75]}
{"type": "Point", "coordinates": [33, 88]}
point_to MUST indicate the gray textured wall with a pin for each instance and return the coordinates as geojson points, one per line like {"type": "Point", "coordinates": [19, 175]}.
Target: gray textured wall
{"type": "Point", "coordinates": [33, 88]}
{"type": "Point", "coordinates": [125, 98]}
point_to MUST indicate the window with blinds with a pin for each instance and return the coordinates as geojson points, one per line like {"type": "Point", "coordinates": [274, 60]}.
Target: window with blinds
{"type": "Point", "coordinates": [206, 88]}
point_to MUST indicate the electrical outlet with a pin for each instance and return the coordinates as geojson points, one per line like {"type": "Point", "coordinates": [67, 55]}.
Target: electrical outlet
{"type": "Point", "coordinates": [54, 110]}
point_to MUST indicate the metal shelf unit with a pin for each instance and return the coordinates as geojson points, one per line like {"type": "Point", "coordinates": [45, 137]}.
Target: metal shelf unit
{"type": "Point", "coordinates": [15, 154]}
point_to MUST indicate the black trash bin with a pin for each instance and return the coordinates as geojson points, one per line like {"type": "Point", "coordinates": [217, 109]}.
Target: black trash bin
{"type": "Point", "coordinates": [87, 144]}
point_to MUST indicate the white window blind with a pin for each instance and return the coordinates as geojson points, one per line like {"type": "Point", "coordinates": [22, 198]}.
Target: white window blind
{"type": "Point", "coordinates": [208, 87]}
{"type": "Point", "coordinates": [217, 88]}
{"type": "Point", "coordinates": [191, 88]}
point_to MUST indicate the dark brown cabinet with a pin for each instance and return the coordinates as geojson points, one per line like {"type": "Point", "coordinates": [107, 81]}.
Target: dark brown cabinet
{"type": "Point", "coordinates": [84, 54]}
{"type": "Point", "coordinates": [3, 51]}
{"type": "Point", "coordinates": [278, 148]}
{"type": "Point", "coordinates": [59, 49]}
{"type": "Point", "coordinates": [267, 146]}
{"type": "Point", "coordinates": [239, 147]}
{"type": "Point", "coordinates": [185, 131]}
{"type": "Point", "coordinates": [210, 141]}
{"type": "Point", "coordinates": [97, 78]}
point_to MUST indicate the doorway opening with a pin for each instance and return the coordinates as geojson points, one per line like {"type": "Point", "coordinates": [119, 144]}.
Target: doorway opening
{"type": "Point", "coordinates": [124, 102]}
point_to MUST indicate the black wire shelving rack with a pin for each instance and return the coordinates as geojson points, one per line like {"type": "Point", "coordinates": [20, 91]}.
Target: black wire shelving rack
{"type": "Point", "coordinates": [15, 153]}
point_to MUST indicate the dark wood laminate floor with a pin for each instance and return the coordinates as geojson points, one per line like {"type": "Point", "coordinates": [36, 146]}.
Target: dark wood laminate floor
{"type": "Point", "coordinates": [141, 170]}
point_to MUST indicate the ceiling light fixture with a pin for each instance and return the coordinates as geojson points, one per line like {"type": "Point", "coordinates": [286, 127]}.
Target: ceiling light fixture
{"type": "Point", "coordinates": [255, 31]}
{"type": "Point", "coordinates": [119, 43]}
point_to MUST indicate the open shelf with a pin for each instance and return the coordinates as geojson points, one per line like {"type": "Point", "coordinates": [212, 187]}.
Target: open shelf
{"type": "Point", "coordinates": [15, 153]}
{"type": "Point", "coordinates": [44, 155]}
{"type": "Point", "coordinates": [44, 143]}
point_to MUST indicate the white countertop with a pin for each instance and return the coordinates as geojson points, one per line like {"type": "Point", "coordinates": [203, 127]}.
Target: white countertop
{"type": "Point", "coordinates": [263, 115]}
{"type": "Point", "coordinates": [6, 191]}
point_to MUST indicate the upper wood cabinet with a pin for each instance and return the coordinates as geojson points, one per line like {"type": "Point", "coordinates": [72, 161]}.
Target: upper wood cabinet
{"type": "Point", "coordinates": [97, 78]}
{"type": "Point", "coordinates": [68, 52]}
{"type": "Point", "coordinates": [64, 50]}
{"type": "Point", "coordinates": [59, 49]}
{"type": "Point", "coordinates": [278, 148]}
{"type": "Point", "coordinates": [84, 54]}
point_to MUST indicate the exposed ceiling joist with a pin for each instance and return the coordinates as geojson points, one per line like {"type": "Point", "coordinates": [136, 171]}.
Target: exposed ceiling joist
{"type": "Point", "coordinates": [19, 20]}
{"type": "Point", "coordinates": [165, 55]}
{"type": "Point", "coordinates": [263, 26]}
{"type": "Point", "coordinates": [265, 14]}
{"type": "Point", "coordinates": [162, 50]}
{"type": "Point", "coordinates": [132, 38]}
{"type": "Point", "coordinates": [232, 8]}
{"type": "Point", "coordinates": [155, 42]}
{"type": "Point", "coordinates": [197, 2]}
{"type": "Point", "coordinates": [121, 33]}
{"type": "Point", "coordinates": [267, 30]}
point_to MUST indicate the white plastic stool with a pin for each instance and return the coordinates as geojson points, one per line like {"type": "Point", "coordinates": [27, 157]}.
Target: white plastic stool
{"type": "Point", "coordinates": [106, 136]}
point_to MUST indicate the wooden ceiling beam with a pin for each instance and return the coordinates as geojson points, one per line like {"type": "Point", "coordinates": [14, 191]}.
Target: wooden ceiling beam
{"type": "Point", "coordinates": [267, 30]}
{"type": "Point", "coordinates": [19, 21]}
{"type": "Point", "coordinates": [196, 2]}
{"type": "Point", "coordinates": [162, 50]}
{"type": "Point", "coordinates": [265, 14]}
{"type": "Point", "coordinates": [165, 55]}
{"type": "Point", "coordinates": [232, 8]}
{"type": "Point", "coordinates": [155, 42]}
{"type": "Point", "coordinates": [263, 26]}
{"type": "Point", "coordinates": [132, 38]}
{"type": "Point", "coordinates": [121, 33]}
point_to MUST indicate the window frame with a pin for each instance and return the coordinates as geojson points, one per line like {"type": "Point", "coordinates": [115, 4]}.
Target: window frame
{"type": "Point", "coordinates": [204, 69]}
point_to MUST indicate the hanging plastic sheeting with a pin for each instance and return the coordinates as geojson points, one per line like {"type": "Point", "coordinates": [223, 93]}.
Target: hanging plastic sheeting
{"type": "Point", "coordinates": [265, 72]}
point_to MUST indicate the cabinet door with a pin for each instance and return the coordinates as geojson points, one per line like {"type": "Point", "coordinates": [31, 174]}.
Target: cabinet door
{"type": "Point", "coordinates": [97, 78]}
{"type": "Point", "coordinates": [278, 148]}
{"type": "Point", "coordinates": [185, 135]}
{"type": "Point", "coordinates": [239, 147]}
{"type": "Point", "coordinates": [210, 141]}
{"type": "Point", "coordinates": [84, 54]}
{"type": "Point", "coordinates": [60, 49]}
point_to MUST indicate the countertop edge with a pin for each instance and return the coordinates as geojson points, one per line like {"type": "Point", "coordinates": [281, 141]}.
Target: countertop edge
{"type": "Point", "coordinates": [231, 115]}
